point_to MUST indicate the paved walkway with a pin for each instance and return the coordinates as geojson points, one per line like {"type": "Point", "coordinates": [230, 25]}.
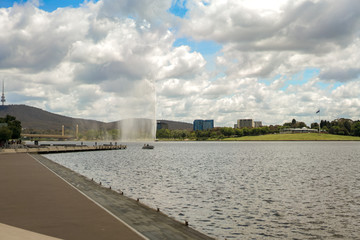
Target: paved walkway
{"type": "Point", "coordinates": [152, 224]}
{"type": "Point", "coordinates": [35, 199]}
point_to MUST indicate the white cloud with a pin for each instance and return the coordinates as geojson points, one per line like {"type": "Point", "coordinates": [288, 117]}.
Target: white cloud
{"type": "Point", "coordinates": [106, 60]}
{"type": "Point", "coordinates": [56, 56]}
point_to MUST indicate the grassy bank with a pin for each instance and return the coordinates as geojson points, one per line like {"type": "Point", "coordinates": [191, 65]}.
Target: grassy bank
{"type": "Point", "coordinates": [296, 137]}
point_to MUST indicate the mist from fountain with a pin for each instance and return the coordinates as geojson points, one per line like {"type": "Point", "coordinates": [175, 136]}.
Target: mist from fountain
{"type": "Point", "coordinates": [141, 126]}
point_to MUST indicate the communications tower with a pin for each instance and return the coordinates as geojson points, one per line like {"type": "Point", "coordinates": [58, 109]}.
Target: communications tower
{"type": "Point", "coordinates": [3, 95]}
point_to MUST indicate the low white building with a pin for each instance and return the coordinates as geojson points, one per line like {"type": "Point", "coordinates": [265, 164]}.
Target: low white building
{"type": "Point", "coordinates": [298, 130]}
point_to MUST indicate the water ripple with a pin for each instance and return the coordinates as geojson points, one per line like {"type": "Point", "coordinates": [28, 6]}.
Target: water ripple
{"type": "Point", "coordinates": [298, 190]}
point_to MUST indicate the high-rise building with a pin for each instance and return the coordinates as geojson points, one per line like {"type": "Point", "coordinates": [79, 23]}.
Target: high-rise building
{"type": "Point", "coordinates": [248, 123]}
{"type": "Point", "coordinates": [258, 124]}
{"type": "Point", "coordinates": [200, 124]}
{"type": "Point", "coordinates": [208, 124]}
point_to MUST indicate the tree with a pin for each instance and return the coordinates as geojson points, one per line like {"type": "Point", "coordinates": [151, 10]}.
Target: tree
{"type": "Point", "coordinates": [13, 125]}
{"type": "Point", "coordinates": [5, 134]}
{"type": "Point", "coordinates": [356, 129]}
{"type": "Point", "coordinates": [264, 130]}
{"type": "Point", "coordinates": [347, 125]}
{"type": "Point", "coordinates": [228, 131]}
{"type": "Point", "coordinates": [300, 125]}
{"type": "Point", "coordinates": [239, 132]}
{"type": "Point", "coordinates": [314, 125]}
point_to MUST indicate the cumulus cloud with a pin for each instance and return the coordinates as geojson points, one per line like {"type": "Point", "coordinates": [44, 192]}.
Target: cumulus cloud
{"type": "Point", "coordinates": [276, 38]}
{"type": "Point", "coordinates": [110, 60]}
{"type": "Point", "coordinates": [296, 26]}
{"type": "Point", "coordinates": [109, 48]}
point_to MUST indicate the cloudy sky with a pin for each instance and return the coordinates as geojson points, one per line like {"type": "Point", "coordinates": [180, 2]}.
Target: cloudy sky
{"type": "Point", "coordinates": [270, 60]}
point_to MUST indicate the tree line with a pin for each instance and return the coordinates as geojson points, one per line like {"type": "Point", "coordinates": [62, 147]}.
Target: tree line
{"type": "Point", "coordinates": [217, 133]}
{"type": "Point", "coordinates": [338, 127]}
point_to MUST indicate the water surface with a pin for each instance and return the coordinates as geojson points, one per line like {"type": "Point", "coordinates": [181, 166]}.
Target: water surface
{"type": "Point", "coordinates": [239, 190]}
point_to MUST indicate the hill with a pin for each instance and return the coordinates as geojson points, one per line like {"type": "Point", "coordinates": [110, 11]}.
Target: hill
{"type": "Point", "coordinates": [173, 125]}
{"type": "Point", "coordinates": [39, 120]}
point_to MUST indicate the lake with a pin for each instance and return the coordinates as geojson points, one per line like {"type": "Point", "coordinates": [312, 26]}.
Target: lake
{"type": "Point", "coordinates": [239, 190]}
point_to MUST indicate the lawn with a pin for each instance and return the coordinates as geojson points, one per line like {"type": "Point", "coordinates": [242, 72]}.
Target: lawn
{"type": "Point", "coordinates": [296, 137]}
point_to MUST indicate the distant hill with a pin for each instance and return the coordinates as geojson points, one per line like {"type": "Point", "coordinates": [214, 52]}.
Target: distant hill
{"type": "Point", "coordinates": [41, 120]}
{"type": "Point", "coordinates": [38, 119]}
{"type": "Point", "coordinates": [173, 125]}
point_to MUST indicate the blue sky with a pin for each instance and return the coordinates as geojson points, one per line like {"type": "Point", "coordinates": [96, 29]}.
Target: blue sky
{"type": "Point", "coordinates": [47, 5]}
{"type": "Point", "coordinates": [243, 59]}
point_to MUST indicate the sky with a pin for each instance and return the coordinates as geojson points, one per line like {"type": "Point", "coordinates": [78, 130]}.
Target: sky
{"type": "Point", "coordinates": [181, 60]}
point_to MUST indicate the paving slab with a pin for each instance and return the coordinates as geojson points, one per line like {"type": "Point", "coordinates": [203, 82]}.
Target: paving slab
{"type": "Point", "coordinates": [149, 222]}
{"type": "Point", "coordinates": [12, 233]}
{"type": "Point", "coordinates": [33, 198]}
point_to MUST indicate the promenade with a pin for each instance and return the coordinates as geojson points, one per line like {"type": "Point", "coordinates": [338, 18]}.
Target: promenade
{"type": "Point", "coordinates": [34, 198]}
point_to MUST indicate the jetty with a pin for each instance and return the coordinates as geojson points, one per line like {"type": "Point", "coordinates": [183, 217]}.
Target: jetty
{"type": "Point", "coordinates": [41, 199]}
{"type": "Point", "coordinates": [60, 148]}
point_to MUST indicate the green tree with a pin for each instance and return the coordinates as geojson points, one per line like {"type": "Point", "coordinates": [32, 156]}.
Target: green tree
{"type": "Point", "coordinates": [356, 129]}
{"type": "Point", "coordinates": [264, 130]}
{"type": "Point", "coordinates": [239, 132]}
{"type": "Point", "coordinates": [246, 131]}
{"type": "Point", "coordinates": [163, 133]}
{"type": "Point", "coordinates": [314, 125]}
{"type": "Point", "coordinates": [347, 125]}
{"type": "Point", "coordinates": [227, 131]}
{"type": "Point", "coordinates": [300, 125]}
{"type": "Point", "coordinates": [5, 134]}
{"type": "Point", "coordinates": [13, 125]}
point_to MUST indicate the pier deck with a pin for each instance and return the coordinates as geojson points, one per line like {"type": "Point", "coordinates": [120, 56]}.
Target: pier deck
{"type": "Point", "coordinates": [61, 148]}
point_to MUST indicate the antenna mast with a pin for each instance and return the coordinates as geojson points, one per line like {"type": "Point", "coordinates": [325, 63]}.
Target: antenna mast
{"type": "Point", "coordinates": [3, 95]}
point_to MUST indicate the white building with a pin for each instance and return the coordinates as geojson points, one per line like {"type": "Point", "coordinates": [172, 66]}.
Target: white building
{"type": "Point", "coordinates": [298, 130]}
{"type": "Point", "coordinates": [258, 124]}
{"type": "Point", "coordinates": [248, 123]}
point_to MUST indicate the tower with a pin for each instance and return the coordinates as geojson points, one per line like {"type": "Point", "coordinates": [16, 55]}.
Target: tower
{"type": "Point", "coordinates": [3, 94]}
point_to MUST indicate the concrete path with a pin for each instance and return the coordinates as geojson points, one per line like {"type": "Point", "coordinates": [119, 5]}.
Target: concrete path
{"type": "Point", "coordinates": [152, 224]}
{"type": "Point", "coordinates": [35, 199]}
{"type": "Point", "coordinates": [12, 233]}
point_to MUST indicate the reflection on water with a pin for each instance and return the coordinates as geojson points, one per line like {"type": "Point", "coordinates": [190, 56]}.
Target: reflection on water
{"type": "Point", "coordinates": [237, 190]}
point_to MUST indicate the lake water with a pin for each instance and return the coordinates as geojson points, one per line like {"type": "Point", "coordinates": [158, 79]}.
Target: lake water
{"type": "Point", "coordinates": [239, 190]}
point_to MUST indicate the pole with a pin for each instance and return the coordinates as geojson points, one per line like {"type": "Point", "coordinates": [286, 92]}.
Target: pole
{"type": "Point", "coordinates": [319, 121]}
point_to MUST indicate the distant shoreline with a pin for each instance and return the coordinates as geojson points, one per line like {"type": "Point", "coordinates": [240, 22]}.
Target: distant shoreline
{"type": "Point", "coordinates": [300, 137]}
